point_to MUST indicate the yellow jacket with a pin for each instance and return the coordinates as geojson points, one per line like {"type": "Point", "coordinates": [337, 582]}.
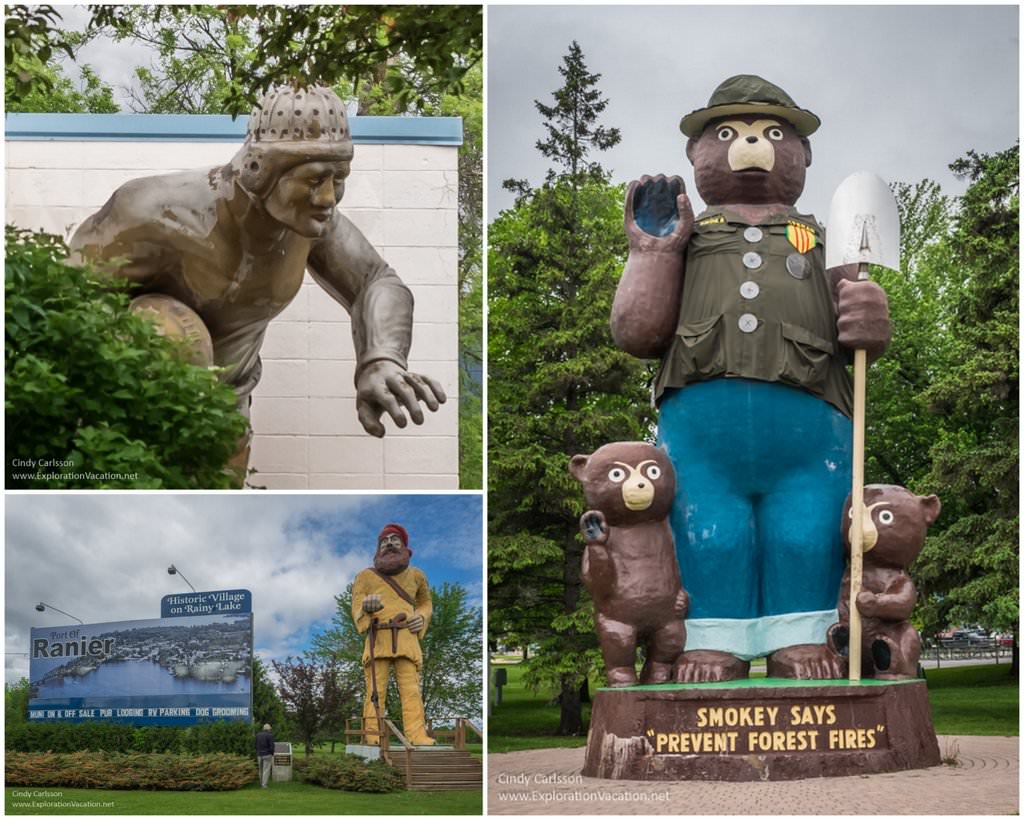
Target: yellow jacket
{"type": "Point", "coordinates": [404, 644]}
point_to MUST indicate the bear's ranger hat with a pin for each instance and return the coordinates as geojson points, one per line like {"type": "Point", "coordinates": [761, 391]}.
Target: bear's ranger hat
{"type": "Point", "coordinates": [749, 94]}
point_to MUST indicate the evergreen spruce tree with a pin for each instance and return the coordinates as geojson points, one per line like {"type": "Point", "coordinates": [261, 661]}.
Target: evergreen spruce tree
{"type": "Point", "coordinates": [557, 387]}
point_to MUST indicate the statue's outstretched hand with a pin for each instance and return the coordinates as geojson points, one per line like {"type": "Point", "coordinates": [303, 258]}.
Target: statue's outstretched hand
{"type": "Point", "coordinates": [386, 387]}
{"type": "Point", "coordinates": [659, 215]}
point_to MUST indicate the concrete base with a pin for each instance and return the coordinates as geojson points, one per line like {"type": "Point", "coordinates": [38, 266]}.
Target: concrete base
{"type": "Point", "coordinates": [368, 752]}
{"type": "Point", "coordinates": [364, 751]}
{"type": "Point", "coordinates": [760, 729]}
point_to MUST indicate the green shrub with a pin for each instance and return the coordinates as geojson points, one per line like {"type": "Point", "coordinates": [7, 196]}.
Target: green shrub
{"type": "Point", "coordinates": [92, 385]}
{"type": "Point", "coordinates": [204, 738]}
{"type": "Point", "coordinates": [221, 736]}
{"type": "Point", "coordinates": [349, 773]}
{"type": "Point", "coordinates": [136, 770]}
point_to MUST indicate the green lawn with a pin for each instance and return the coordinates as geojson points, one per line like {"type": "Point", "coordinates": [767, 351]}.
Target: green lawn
{"type": "Point", "coordinates": [280, 798]}
{"type": "Point", "coordinates": [970, 700]}
{"type": "Point", "coordinates": [974, 700]}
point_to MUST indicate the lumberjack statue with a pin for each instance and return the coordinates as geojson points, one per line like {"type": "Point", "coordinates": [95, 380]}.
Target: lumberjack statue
{"type": "Point", "coordinates": [754, 396]}
{"type": "Point", "coordinates": [391, 602]}
{"type": "Point", "coordinates": [215, 254]}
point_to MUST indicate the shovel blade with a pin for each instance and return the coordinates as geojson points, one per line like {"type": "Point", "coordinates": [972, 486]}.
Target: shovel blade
{"type": "Point", "coordinates": [863, 224]}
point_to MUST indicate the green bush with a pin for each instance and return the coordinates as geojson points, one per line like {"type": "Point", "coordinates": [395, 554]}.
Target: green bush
{"type": "Point", "coordinates": [92, 388]}
{"type": "Point", "coordinates": [135, 770]}
{"type": "Point", "coordinates": [204, 738]}
{"type": "Point", "coordinates": [349, 773]}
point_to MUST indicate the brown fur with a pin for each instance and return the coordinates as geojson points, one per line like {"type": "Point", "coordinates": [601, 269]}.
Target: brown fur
{"type": "Point", "coordinates": [887, 594]}
{"type": "Point", "coordinates": [630, 566]}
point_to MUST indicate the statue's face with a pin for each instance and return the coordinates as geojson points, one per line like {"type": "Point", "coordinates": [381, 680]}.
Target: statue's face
{"type": "Point", "coordinates": [749, 159]}
{"type": "Point", "coordinates": [304, 197]}
{"type": "Point", "coordinates": [392, 555]}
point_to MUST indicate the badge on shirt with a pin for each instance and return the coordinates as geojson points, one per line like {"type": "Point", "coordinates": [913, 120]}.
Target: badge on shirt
{"type": "Point", "coordinates": [800, 236]}
{"type": "Point", "coordinates": [717, 219]}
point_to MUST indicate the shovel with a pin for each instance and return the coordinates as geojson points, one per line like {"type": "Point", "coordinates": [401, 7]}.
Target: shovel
{"type": "Point", "coordinates": [863, 229]}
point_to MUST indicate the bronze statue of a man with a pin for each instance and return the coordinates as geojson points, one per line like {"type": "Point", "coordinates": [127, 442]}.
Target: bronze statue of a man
{"type": "Point", "coordinates": [222, 251]}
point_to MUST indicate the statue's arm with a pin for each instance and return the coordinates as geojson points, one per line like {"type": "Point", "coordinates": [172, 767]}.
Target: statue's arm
{"type": "Point", "coordinates": [424, 604]}
{"type": "Point", "coordinates": [361, 618]}
{"type": "Point", "coordinates": [121, 242]}
{"type": "Point", "coordinates": [658, 221]}
{"type": "Point", "coordinates": [352, 272]}
{"type": "Point", "coordinates": [346, 265]}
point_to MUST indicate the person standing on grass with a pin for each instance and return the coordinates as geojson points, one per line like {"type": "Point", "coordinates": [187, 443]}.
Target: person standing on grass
{"type": "Point", "coordinates": [265, 753]}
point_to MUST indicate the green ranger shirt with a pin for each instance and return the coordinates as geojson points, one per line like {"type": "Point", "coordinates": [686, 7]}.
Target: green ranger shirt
{"type": "Point", "coordinates": [757, 304]}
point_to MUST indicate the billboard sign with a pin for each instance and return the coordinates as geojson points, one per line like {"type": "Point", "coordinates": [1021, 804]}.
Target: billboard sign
{"type": "Point", "coordinates": [167, 671]}
{"type": "Point", "coordinates": [206, 603]}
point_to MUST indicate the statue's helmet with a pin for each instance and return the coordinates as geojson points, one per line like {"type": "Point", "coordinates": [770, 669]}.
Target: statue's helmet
{"type": "Point", "coordinates": [291, 127]}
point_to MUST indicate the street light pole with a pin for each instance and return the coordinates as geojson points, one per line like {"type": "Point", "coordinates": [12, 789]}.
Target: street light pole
{"type": "Point", "coordinates": [42, 607]}
{"type": "Point", "coordinates": [173, 570]}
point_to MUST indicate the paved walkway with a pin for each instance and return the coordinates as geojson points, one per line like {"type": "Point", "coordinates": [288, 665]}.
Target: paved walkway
{"type": "Point", "coordinates": [548, 781]}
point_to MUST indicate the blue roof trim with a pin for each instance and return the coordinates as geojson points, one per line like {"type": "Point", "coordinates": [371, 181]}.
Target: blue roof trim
{"type": "Point", "coordinates": [216, 128]}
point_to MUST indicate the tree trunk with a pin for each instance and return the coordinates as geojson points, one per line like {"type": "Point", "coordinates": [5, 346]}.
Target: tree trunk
{"type": "Point", "coordinates": [571, 720]}
{"type": "Point", "coordinates": [1015, 658]}
{"type": "Point", "coordinates": [585, 691]}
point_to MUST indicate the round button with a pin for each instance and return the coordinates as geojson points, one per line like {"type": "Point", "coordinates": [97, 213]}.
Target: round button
{"type": "Point", "coordinates": [748, 323]}
{"type": "Point", "coordinates": [751, 260]}
{"type": "Point", "coordinates": [749, 290]}
{"type": "Point", "coordinates": [753, 234]}
{"type": "Point", "coordinates": [798, 266]}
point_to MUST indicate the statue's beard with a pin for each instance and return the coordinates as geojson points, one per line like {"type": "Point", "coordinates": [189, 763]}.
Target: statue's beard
{"type": "Point", "coordinates": [391, 563]}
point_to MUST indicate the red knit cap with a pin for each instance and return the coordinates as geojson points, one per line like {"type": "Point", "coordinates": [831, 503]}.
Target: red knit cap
{"type": "Point", "coordinates": [395, 529]}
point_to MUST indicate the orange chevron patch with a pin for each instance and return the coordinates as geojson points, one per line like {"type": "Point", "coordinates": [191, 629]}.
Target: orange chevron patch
{"type": "Point", "coordinates": [800, 236]}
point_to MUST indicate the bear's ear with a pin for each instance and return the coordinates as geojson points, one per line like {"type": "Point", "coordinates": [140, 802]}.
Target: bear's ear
{"type": "Point", "coordinates": [807, 151]}
{"type": "Point", "coordinates": [931, 507]}
{"type": "Point", "coordinates": [691, 146]}
{"type": "Point", "coordinates": [577, 464]}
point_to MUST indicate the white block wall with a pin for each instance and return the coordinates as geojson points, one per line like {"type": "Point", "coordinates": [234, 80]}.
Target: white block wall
{"type": "Point", "coordinates": [307, 436]}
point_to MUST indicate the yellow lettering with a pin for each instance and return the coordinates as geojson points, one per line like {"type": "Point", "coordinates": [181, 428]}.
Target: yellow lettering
{"type": "Point", "coordinates": [778, 741]}
{"type": "Point", "coordinates": [702, 717]}
{"type": "Point", "coordinates": [673, 742]}
{"type": "Point", "coordinates": [830, 710]}
{"type": "Point", "coordinates": [660, 741]}
{"type": "Point", "coordinates": [731, 716]}
{"type": "Point", "coordinates": [715, 716]}
{"type": "Point", "coordinates": [850, 738]}
{"type": "Point", "coordinates": [834, 738]}
{"type": "Point", "coordinates": [773, 713]}
{"type": "Point", "coordinates": [871, 738]}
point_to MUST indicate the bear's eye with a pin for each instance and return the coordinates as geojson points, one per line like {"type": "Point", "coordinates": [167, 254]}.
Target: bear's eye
{"type": "Point", "coordinates": [886, 517]}
{"type": "Point", "coordinates": [725, 133]}
{"type": "Point", "coordinates": [653, 472]}
{"type": "Point", "coordinates": [774, 134]}
{"type": "Point", "coordinates": [617, 474]}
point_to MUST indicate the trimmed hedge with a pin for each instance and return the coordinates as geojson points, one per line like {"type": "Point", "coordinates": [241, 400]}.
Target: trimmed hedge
{"type": "Point", "coordinates": [203, 738]}
{"type": "Point", "coordinates": [115, 770]}
{"type": "Point", "coordinates": [349, 773]}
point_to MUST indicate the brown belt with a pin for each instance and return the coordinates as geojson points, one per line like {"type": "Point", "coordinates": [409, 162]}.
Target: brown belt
{"type": "Point", "coordinates": [396, 623]}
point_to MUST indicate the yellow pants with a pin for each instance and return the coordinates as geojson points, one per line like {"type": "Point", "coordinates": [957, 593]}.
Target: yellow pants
{"type": "Point", "coordinates": [407, 675]}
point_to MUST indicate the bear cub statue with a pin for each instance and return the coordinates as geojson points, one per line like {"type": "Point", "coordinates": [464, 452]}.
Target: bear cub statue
{"type": "Point", "coordinates": [895, 524]}
{"type": "Point", "coordinates": [629, 563]}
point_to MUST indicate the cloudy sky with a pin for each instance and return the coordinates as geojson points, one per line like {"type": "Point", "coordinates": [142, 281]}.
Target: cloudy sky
{"type": "Point", "coordinates": [103, 556]}
{"type": "Point", "coordinates": [901, 90]}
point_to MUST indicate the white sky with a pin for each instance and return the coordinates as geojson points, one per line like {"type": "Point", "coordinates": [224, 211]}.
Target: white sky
{"type": "Point", "coordinates": [902, 91]}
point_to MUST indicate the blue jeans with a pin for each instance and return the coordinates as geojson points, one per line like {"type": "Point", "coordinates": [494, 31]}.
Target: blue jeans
{"type": "Point", "coordinates": [763, 470]}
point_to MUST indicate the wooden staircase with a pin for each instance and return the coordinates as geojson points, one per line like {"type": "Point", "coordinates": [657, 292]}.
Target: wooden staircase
{"type": "Point", "coordinates": [427, 769]}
